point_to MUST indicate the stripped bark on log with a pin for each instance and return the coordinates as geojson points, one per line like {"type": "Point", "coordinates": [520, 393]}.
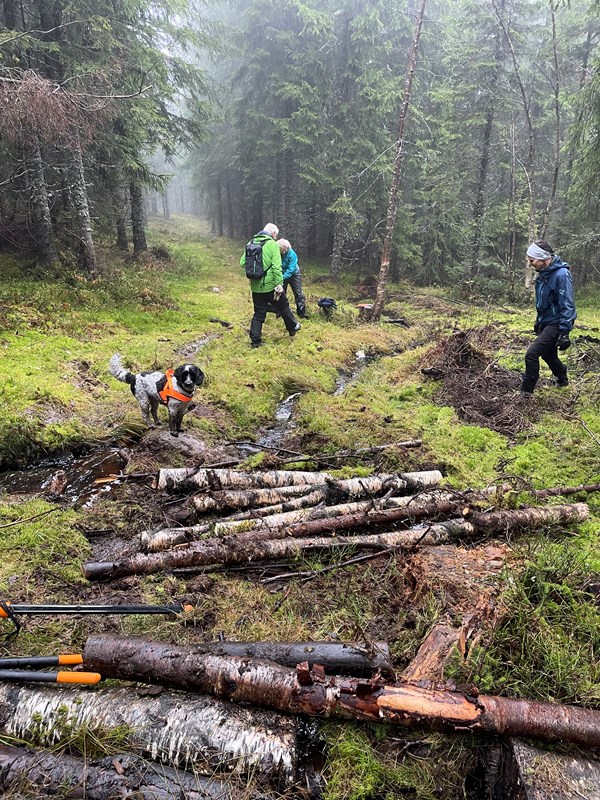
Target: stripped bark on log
{"type": "Point", "coordinates": [216, 480]}
{"type": "Point", "coordinates": [176, 728]}
{"type": "Point", "coordinates": [39, 773]}
{"type": "Point", "coordinates": [441, 643]}
{"type": "Point", "coordinates": [262, 683]}
{"type": "Point", "coordinates": [255, 546]}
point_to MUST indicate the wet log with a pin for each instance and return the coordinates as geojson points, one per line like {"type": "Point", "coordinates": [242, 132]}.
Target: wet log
{"type": "Point", "coordinates": [256, 546]}
{"type": "Point", "coordinates": [360, 659]}
{"type": "Point", "coordinates": [250, 498]}
{"type": "Point", "coordinates": [41, 773]}
{"type": "Point", "coordinates": [311, 692]}
{"type": "Point", "coordinates": [194, 479]}
{"type": "Point", "coordinates": [291, 523]}
{"type": "Point", "coordinates": [332, 519]}
{"type": "Point", "coordinates": [176, 728]}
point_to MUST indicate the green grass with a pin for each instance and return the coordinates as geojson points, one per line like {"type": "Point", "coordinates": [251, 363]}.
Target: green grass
{"type": "Point", "coordinates": [58, 334]}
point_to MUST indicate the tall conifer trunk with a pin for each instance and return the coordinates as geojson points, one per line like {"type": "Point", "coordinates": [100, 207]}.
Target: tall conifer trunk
{"type": "Point", "coordinates": [392, 212]}
{"type": "Point", "coordinates": [137, 218]}
{"type": "Point", "coordinates": [40, 209]}
{"type": "Point", "coordinates": [79, 201]}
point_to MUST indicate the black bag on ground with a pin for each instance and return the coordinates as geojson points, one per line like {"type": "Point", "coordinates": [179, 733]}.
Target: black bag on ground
{"type": "Point", "coordinates": [254, 263]}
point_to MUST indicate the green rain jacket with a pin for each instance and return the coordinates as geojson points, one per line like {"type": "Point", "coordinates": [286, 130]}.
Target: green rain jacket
{"type": "Point", "coordinates": [271, 258]}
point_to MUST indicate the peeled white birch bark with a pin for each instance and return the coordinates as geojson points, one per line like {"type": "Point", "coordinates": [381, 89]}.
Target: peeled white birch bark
{"type": "Point", "coordinates": [176, 728]}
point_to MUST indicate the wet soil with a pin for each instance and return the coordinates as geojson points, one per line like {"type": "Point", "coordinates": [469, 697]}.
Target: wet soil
{"type": "Point", "coordinates": [475, 385]}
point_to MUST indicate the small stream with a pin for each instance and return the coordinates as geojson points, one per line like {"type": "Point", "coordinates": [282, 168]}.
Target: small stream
{"type": "Point", "coordinates": [277, 434]}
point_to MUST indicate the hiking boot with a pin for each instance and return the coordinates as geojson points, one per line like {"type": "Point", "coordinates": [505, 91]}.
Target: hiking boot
{"type": "Point", "coordinates": [254, 345]}
{"type": "Point", "coordinates": [296, 329]}
{"type": "Point", "coordinates": [562, 381]}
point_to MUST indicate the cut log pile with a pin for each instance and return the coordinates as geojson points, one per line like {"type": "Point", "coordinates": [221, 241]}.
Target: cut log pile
{"type": "Point", "coordinates": [284, 514]}
{"type": "Point", "coordinates": [195, 722]}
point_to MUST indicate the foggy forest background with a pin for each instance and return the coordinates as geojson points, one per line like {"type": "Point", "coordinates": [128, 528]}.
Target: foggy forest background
{"type": "Point", "coordinates": [245, 112]}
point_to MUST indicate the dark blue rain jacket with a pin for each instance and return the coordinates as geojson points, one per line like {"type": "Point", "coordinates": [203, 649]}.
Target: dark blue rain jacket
{"type": "Point", "coordinates": [554, 296]}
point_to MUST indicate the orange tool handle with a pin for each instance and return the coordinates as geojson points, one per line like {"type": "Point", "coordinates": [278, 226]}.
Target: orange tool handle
{"type": "Point", "coordinates": [78, 677]}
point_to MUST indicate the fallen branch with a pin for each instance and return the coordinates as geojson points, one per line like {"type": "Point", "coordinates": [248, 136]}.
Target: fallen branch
{"type": "Point", "coordinates": [241, 549]}
{"type": "Point", "coordinates": [311, 692]}
{"type": "Point", "coordinates": [175, 728]}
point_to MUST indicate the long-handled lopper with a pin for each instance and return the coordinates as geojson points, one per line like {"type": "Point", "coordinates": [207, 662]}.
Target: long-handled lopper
{"type": "Point", "coordinates": [35, 662]}
{"type": "Point", "coordinates": [62, 676]}
{"type": "Point", "coordinates": [13, 610]}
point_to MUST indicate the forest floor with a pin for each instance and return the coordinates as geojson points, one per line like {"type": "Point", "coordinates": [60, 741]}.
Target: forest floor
{"type": "Point", "coordinates": [450, 376]}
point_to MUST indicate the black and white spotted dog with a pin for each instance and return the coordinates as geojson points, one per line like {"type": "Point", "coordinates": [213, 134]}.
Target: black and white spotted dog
{"type": "Point", "coordinates": [174, 389]}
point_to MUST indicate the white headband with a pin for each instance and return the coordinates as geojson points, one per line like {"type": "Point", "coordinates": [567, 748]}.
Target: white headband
{"type": "Point", "coordinates": [533, 251]}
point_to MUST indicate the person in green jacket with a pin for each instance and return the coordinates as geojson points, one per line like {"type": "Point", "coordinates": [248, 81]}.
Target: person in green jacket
{"type": "Point", "coordinates": [268, 291]}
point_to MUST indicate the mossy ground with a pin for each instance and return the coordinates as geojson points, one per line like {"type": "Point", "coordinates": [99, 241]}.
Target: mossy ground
{"type": "Point", "coordinates": [58, 334]}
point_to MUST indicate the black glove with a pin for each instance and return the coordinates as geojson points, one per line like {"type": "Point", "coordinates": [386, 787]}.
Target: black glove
{"type": "Point", "coordinates": [537, 327]}
{"type": "Point", "coordinates": [563, 342]}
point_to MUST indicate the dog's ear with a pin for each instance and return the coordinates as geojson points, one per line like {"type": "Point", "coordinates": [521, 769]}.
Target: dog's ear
{"type": "Point", "coordinates": [179, 372]}
{"type": "Point", "coordinates": [198, 376]}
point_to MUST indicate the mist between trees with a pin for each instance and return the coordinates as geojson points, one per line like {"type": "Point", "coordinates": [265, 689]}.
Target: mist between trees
{"type": "Point", "coordinates": [249, 112]}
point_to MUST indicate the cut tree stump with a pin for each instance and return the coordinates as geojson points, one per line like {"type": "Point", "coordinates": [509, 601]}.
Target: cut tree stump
{"type": "Point", "coordinates": [176, 728]}
{"type": "Point", "coordinates": [39, 773]}
{"type": "Point", "coordinates": [312, 692]}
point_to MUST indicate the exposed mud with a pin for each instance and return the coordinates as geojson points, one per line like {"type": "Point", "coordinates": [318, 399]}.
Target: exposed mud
{"type": "Point", "coordinates": [475, 385]}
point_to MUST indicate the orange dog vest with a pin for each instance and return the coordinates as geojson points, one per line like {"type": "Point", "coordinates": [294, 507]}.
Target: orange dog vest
{"type": "Point", "coordinates": [169, 391]}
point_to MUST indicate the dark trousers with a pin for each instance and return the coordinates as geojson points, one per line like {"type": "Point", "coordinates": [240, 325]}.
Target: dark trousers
{"type": "Point", "coordinates": [261, 301]}
{"type": "Point", "coordinates": [295, 281]}
{"type": "Point", "coordinates": [543, 347]}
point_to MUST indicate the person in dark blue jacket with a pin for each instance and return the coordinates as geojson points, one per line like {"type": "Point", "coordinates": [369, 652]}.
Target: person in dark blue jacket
{"type": "Point", "coordinates": [555, 315]}
{"type": "Point", "coordinates": [292, 276]}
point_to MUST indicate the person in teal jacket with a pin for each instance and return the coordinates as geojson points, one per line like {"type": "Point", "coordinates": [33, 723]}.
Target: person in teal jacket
{"type": "Point", "coordinates": [267, 292]}
{"type": "Point", "coordinates": [292, 276]}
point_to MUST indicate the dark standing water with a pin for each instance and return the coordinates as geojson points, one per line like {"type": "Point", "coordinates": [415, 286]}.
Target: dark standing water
{"type": "Point", "coordinates": [72, 477]}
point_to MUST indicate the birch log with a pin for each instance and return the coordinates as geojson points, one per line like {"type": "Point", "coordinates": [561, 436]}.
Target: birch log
{"type": "Point", "coordinates": [218, 479]}
{"type": "Point", "coordinates": [41, 773]}
{"type": "Point", "coordinates": [188, 478]}
{"type": "Point", "coordinates": [250, 498]}
{"type": "Point", "coordinates": [311, 692]}
{"type": "Point", "coordinates": [258, 547]}
{"type": "Point", "coordinates": [309, 522]}
{"type": "Point", "coordinates": [295, 524]}
{"type": "Point", "coordinates": [175, 728]}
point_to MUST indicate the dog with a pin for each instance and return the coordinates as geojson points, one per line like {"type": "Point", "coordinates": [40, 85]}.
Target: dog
{"type": "Point", "coordinates": [173, 389]}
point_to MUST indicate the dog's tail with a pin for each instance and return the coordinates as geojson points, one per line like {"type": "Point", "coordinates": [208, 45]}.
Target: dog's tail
{"type": "Point", "coordinates": [119, 372]}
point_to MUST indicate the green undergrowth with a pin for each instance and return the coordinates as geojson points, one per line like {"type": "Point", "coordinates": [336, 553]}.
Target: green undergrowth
{"type": "Point", "coordinates": [547, 645]}
{"type": "Point", "coordinates": [58, 333]}
{"type": "Point", "coordinates": [362, 765]}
